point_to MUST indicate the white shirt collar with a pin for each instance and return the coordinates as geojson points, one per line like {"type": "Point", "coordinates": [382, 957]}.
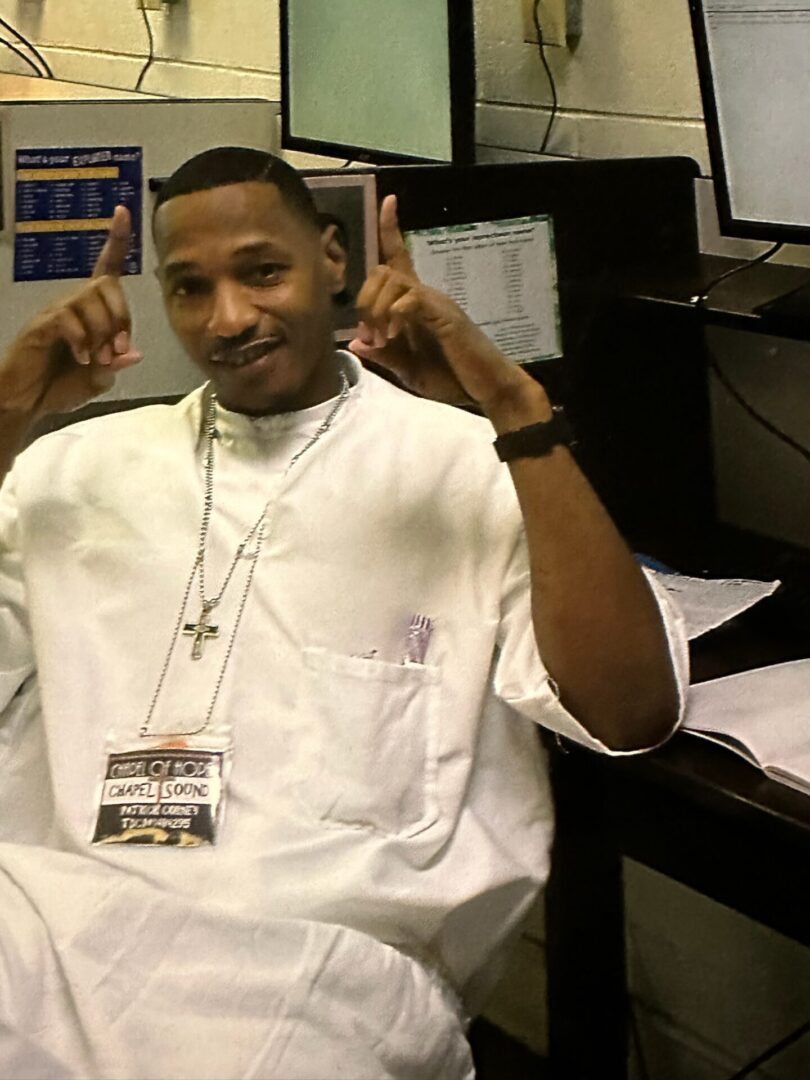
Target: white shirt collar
{"type": "Point", "coordinates": [234, 427]}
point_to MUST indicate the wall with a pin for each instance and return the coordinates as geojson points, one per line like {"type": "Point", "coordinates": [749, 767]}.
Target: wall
{"type": "Point", "coordinates": [206, 48]}
{"type": "Point", "coordinates": [628, 87]}
{"type": "Point", "coordinates": [711, 989]}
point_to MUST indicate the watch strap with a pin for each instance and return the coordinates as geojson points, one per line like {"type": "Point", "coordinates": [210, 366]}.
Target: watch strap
{"type": "Point", "coordinates": [536, 440]}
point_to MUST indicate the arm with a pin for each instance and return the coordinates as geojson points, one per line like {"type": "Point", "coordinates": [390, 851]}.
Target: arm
{"type": "Point", "coordinates": [595, 620]}
{"type": "Point", "coordinates": [69, 353]}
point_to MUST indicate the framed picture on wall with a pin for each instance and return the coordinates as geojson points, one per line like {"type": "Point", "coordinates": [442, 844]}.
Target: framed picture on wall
{"type": "Point", "coordinates": [349, 202]}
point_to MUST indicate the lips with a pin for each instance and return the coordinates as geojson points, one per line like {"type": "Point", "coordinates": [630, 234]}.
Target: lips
{"type": "Point", "coordinates": [248, 354]}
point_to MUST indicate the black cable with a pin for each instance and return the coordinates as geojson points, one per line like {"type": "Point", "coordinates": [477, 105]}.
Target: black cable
{"type": "Point", "coordinates": [150, 59]}
{"type": "Point", "coordinates": [777, 1048]}
{"type": "Point", "coordinates": [703, 295]}
{"type": "Point", "coordinates": [22, 38]}
{"type": "Point", "coordinates": [723, 378]}
{"type": "Point", "coordinates": [752, 412]}
{"type": "Point", "coordinates": [553, 86]}
{"type": "Point", "coordinates": [10, 45]}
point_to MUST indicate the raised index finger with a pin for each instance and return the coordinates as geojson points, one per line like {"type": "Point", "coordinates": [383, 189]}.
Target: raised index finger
{"type": "Point", "coordinates": [392, 246]}
{"type": "Point", "coordinates": [113, 255]}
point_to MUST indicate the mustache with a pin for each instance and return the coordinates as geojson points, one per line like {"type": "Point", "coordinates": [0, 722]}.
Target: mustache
{"type": "Point", "coordinates": [238, 351]}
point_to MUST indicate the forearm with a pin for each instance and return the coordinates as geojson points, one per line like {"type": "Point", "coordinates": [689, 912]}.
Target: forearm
{"type": "Point", "coordinates": [14, 427]}
{"type": "Point", "coordinates": [596, 621]}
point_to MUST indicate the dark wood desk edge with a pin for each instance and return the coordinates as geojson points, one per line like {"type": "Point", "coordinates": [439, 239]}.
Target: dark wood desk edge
{"type": "Point", "coordinates": [721, 780]}
{"type": "Point", "coordinates": [690, 811]}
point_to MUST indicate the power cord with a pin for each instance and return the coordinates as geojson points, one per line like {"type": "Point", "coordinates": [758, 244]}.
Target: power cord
{"type": "Point", "coordinates": [772, 1051]}
{"type": "Point", "coordinates": [703, 295]}
{"type": "Point", "coordinates": [150, 59]}
{"type": "Point", "coordinates": [10, 45]}
{"type": "Point", "coordinates": [752, 412]}
{"type": "Point", "coordinates": [29, 45]}
{"type": "Point", "coordinates": [741, 1074]}
{"type": "Point", "coordinates": [699, 301]}
{"type": "Point", "coordinates": [552, 84]}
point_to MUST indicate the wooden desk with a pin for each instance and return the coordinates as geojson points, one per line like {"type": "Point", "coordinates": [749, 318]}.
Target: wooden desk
{"type": "Point", "coordinates": [692, 811]}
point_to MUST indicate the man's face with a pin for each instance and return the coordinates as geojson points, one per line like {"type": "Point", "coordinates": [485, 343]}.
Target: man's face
{"type": "Point", "coordinates": [248, 287]}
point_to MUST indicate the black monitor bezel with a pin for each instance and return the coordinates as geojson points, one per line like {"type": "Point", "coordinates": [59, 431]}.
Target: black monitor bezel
{"type": "Point", "coordinates": [461, 43]}
{"type": "Point", "coordinates": [744, 228]}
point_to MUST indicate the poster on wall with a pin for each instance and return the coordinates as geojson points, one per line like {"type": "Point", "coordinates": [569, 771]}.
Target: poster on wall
{"type": "Point", "coordinates": [503, 274]}
{"type": "Point", "coordinates": [64, 202]}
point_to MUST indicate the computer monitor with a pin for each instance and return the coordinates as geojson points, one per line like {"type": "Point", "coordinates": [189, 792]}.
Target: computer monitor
{"type": "Point", "coordinates": [754, 68]}
{"type": "Point", "coordinates": [376, 82]}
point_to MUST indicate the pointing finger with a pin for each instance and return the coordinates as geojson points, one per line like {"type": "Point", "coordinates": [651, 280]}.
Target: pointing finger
{"type": "Point", "coordinates": [392, 245]}
{"type": "Point", "coordinates": [113, 255]}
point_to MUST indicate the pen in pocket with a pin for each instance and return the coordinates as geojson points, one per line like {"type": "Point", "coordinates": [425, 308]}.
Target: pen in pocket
{"type": "Point", "coordinates": [417, 640]}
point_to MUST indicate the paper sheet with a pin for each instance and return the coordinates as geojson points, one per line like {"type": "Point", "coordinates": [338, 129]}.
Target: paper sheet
{"type": "Point", "coordinates": [709, 602]}
{"type": "Point", "coordinates": [503, 274]}
{"type": "Point", "coordinates": [765, 710]}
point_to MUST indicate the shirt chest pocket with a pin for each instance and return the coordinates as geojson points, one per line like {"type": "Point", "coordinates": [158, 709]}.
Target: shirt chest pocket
{"type": "Point", "coordinates": [368, 743]}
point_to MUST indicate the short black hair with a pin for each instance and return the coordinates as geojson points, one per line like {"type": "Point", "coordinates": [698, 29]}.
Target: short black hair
{"type": "Point", "coordinates": [225, 165]}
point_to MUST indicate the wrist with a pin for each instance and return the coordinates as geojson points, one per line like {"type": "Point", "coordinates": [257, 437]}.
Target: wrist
{"type": "Point", "coordinates": [516, 403]}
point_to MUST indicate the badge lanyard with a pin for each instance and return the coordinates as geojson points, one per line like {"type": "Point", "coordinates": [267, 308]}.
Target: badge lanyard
{"type": "Point", "coordinates": [173, 794]}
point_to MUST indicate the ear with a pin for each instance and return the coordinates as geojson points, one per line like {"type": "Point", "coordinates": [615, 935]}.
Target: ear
{"type": "Point", "coordinates": [335, 259]}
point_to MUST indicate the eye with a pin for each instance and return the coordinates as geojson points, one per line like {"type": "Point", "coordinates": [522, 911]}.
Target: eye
{"type": "Point", "coordinates": [187, 286]}
{"type": "Point", "coordinates": [265, 273]}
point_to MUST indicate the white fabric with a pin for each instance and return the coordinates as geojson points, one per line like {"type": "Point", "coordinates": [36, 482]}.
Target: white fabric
{"type": "Point", "coordinates": [371, 805]}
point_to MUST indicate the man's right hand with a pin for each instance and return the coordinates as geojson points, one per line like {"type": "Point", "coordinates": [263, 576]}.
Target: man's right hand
{"type": "Point", "coordinates": [72, 351]}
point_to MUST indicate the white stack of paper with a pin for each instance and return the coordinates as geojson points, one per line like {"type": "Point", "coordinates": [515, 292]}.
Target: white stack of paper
{"type": "Point", "coordinates": [763, 714]}
{"type": "Point", "coordinates": [709, 602]}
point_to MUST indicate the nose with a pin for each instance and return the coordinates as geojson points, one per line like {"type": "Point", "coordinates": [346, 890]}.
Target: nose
{"type": "Point", "coordinates": [232, 312]}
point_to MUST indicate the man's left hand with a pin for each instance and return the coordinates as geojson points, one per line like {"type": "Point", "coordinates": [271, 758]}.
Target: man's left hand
{"type": "Point", "coordinates": [422, 336]}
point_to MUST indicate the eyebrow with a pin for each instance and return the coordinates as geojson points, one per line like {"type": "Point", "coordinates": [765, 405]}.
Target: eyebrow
{"type": "Point", "coordinates": [258, 247]}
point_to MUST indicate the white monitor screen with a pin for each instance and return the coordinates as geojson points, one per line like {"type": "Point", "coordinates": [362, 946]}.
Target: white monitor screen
{"type": "Point", "coordinates": [756, 82]}
{"type": "Point", "coordinates": [369, 74]}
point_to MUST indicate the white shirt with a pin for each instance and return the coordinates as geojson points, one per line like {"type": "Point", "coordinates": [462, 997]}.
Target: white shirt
{"type": "Point", "coordinates": [406, 803]}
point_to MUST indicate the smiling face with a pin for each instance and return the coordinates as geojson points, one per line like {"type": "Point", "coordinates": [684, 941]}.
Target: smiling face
{"type": "Point", "coordinates": [248, 286]}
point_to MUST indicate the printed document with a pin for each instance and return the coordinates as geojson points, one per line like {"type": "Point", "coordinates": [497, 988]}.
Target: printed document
{"type": "Point", "coordinates": [504, 276]}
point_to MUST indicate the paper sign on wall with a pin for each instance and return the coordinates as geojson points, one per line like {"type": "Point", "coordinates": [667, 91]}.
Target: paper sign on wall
{"type": "Point", "coordinates": [64, 201]}
{"type": "Point", "coordinates": [503, 274]}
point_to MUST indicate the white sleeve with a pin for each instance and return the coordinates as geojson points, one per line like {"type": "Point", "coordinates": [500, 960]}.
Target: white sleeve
{"type": "Point", "coordinates": [522, 681]}
{"type": "Point", "coordinates": [16, 648]}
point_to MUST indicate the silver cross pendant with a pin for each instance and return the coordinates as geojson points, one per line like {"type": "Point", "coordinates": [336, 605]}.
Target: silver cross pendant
{"type": "Point", "coordinates": [200, 630]}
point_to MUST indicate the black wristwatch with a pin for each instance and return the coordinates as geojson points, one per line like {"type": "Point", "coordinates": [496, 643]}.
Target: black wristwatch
{"type": "Point", "coordinates": [535, 440]}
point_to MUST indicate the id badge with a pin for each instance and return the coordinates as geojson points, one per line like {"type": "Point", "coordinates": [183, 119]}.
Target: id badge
{"type": "Point", "coordinates": [170, 795]}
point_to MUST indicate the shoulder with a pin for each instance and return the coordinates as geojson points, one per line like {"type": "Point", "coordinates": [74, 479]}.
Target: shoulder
{"type": "Point", "coordinates": [443, 427]}
{"type": "Point", "coordinates": [443, 450]}
{"type": "Point", "coordinates": [108, 439]}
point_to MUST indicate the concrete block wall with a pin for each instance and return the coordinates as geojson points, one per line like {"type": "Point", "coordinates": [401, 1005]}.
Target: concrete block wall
{"type": "Point", "coordinates": [628, 87]}
{"type": "Point", "coordinates": [204, 48]}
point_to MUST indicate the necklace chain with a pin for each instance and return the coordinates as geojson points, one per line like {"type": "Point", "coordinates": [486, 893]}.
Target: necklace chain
{"type": "Point", "coordinates": [257, 531]}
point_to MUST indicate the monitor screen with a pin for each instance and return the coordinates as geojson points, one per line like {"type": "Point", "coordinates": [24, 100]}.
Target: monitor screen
{"type": "Point", "coordinates": [379, 82]}
{"type": "Point", "coordinates": [754, 67]}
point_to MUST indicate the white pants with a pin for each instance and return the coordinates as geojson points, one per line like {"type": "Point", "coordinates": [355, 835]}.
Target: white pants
{"type": "Point", "coordinates": [104, 976]}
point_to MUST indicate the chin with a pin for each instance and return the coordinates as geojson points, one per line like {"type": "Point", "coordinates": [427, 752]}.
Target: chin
{"type": "Point", "coordinates": [257, 393]}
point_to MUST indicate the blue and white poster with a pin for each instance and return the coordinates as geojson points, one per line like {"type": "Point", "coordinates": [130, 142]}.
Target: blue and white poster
{"type": "Point", "coordinates": [64, 202]}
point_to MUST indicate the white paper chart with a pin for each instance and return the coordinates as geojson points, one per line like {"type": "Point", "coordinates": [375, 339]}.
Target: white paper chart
{"type": "Point", "coordinates": [503, 274]}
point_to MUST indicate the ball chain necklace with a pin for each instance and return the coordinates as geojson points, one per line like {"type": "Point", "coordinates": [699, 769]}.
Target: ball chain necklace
{"type": "Point", "coordinates": [202, 630]}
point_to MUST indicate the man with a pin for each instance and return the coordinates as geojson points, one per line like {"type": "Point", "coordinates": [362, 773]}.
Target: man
{"type": "Point", "coordinates": [330, 596]}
